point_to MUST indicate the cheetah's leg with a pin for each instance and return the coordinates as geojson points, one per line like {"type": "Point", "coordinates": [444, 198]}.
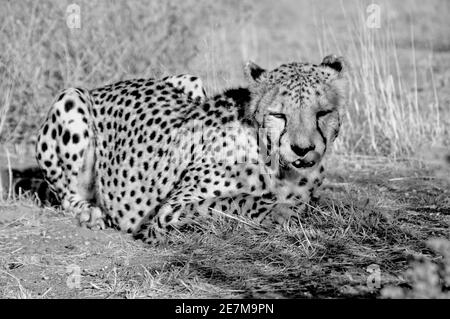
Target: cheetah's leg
{"type": "Point", "coordinates": [265, 210]}
{"type": "Point", "coordinates": [65, 153]}
{"type": "Point", "coordinates": [91, 216]}
{"type": "Point", "coordinates": [186, 205]}
{"type": "Point", "coordinates": [175, 213]}
{"type": "Point", "coordinates": [317, 177]}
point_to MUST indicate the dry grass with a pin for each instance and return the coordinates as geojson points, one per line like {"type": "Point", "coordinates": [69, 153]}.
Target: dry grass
{"type": "Point", "coordinates": [388, 190]}
{"type": "Point", "coordinates": [366, 218]}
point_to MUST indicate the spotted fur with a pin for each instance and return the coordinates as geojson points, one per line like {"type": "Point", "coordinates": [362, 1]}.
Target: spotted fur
{"type": "Point", "coordinates": [145, 156]}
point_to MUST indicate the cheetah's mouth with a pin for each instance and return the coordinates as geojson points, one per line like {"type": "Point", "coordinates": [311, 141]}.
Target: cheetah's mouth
{"type": "Point", "coordinates": [303, 164]}
{"type": "Point", "coordinates": [289, 168]}
{"type": "Point", "coordinates": [307, 161]}
{"type": "Point", "coordinates": [298, 164]}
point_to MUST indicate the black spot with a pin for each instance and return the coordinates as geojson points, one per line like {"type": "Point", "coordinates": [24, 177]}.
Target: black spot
{"type": "Point", "coordinates": [68, 105]}
{"type": "Point", "coordinates": [66, 137]}
{"type": "Point", "coordinates": [60, 97]}
{"type": "Point", "coordinates": [303, 181]}
{"type": "Point", "coordinates": [75, 138]}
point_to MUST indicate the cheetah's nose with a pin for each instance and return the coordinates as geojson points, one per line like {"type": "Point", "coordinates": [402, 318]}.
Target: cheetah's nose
{"type": "Point", "coordinates": [302, 151]}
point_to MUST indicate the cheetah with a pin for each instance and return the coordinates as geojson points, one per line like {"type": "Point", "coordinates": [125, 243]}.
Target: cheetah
{"type": "Point", "coordinates": [144, 157]}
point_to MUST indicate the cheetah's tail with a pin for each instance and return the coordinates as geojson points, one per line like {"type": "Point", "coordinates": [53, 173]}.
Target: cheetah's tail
{"type": "Point", "coordinates": [29, 181]}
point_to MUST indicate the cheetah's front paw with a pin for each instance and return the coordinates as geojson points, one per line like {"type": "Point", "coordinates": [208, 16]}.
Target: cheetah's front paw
{"type": "Point", "coordinates": [92, 218]}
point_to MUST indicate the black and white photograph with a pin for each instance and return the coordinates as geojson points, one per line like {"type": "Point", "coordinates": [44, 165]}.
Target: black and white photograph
{"type": "Point", "coordinates": [224, 155]}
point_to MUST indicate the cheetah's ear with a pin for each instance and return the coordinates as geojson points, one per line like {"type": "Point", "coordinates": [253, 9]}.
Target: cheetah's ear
{"type": "Point", "coordinates": [336, 63]}
{"type": "Point", "coordinates": [337, 92]}
{"type": "Point", "coordinates": [253, 72]}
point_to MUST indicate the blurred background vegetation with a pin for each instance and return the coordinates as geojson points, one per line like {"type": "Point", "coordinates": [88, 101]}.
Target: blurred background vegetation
{"type": "Point", "coordinates": [399, 96]}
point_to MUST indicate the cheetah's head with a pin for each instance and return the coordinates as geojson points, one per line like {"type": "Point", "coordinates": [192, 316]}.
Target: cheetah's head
{"type": "Point", "coordinates": [298, 104]}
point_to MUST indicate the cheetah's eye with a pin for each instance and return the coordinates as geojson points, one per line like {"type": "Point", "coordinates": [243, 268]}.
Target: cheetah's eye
{"type": "Point", "coordinates": [323, 113]}
{"type": "Point", "coordinates": [278, 115]}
